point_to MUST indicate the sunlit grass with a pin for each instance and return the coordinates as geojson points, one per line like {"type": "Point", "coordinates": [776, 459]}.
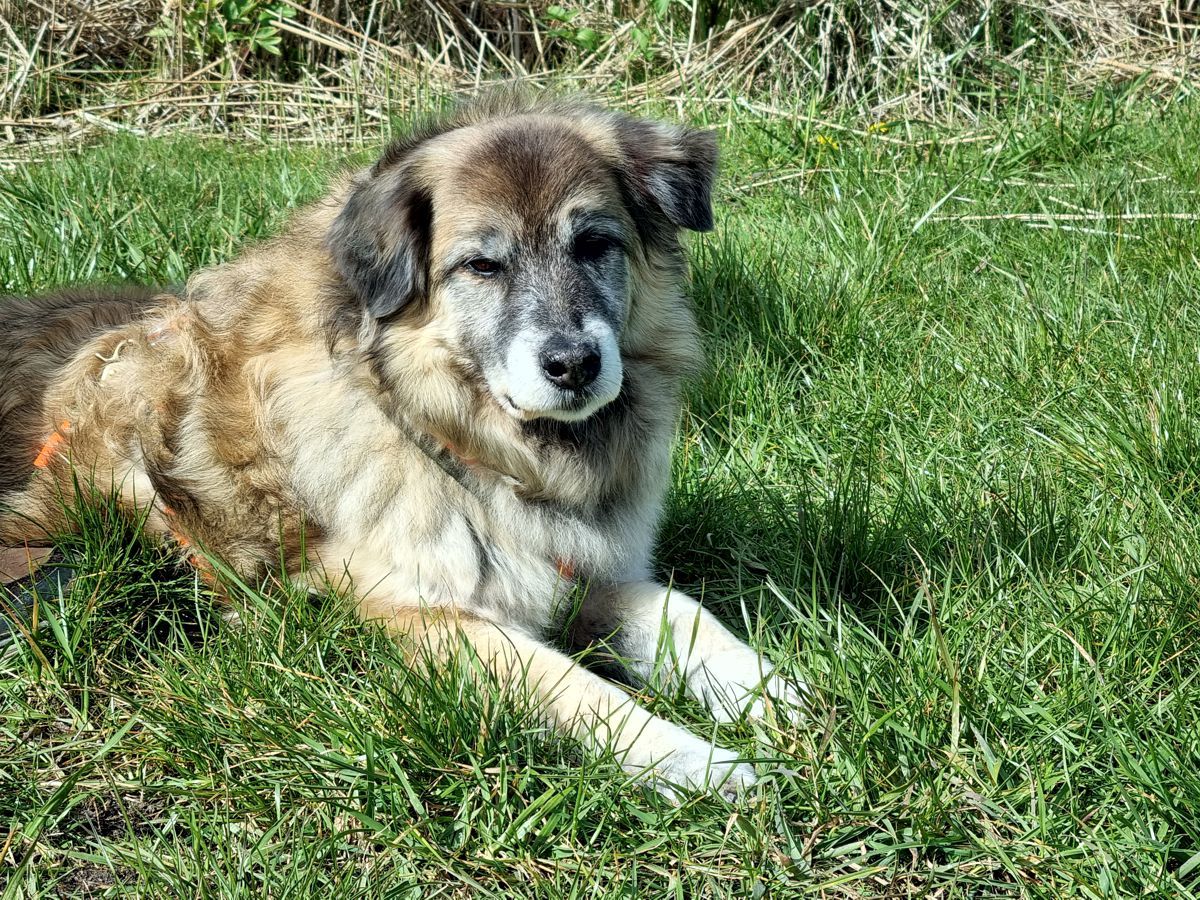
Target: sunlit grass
{"type": "Point", "coordinates": [943, 465]}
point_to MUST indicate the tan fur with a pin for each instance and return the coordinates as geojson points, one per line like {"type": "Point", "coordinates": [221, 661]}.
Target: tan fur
{"type": "Point", "coordinates": [264, 416]}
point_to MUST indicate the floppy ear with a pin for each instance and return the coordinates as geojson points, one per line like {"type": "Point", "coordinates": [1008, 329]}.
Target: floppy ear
{"type": "Point", "coordinates": [673, 168]}
{"type": "Point", "coordinates": [380, 239]}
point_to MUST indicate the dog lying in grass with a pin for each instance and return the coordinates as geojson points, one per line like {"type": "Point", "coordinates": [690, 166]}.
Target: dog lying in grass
{"type": "Point", "coordinates": [449, 389]}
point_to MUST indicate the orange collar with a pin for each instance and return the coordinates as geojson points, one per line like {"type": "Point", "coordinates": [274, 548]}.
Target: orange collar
{"type": "Point", "coordinates": [470, 462]}
{"type": "Point", "coordinates": [52, 445]}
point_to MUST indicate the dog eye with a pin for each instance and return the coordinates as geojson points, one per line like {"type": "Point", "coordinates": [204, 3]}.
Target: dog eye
{"type": "Point", "coordinates": [481, 265]}
{"type": "Point", "coordinates": [590, 247]}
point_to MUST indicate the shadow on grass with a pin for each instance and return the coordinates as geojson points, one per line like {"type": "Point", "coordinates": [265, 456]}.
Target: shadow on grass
{"type": "Point", "coordinates": [862, 525]}
{"type": "Point", "coordinates": [128, 595]}
{"type": "Point", "coordinates": [861, 550]}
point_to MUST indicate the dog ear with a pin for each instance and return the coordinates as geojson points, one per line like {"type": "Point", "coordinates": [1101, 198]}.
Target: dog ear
{"type": "Point", "coordinates": [673, 168]}
{"type": "Point", "coordinates": [380, 239]}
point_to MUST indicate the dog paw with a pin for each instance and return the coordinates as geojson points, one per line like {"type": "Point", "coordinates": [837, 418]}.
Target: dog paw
{"type": "Point", "coordinates": [700, 767]}
{"type": "Point", "coordinates": [732, 685]}
{"type": "Point", "coordinates": [778, 697]}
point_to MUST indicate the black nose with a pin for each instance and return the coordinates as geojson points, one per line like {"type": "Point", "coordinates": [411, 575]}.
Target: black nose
{"type": "Point", "coordinates": [570, 365]}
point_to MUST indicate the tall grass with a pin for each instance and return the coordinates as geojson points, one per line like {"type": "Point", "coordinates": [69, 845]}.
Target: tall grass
{"type": "Point", "coordinates": [943, 466]}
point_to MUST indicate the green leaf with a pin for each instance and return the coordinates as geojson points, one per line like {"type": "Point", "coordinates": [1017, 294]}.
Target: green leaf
{"type": "Point", "coordinates": [559, 14]}
{"type": "Point", "coordinates": [588, 38]}
{"type": "Point", "coordinates": [266, 39]}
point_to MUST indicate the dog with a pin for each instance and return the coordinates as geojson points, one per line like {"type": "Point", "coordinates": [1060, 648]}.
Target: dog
{"type": "Point", "coordinates": [449, 390]}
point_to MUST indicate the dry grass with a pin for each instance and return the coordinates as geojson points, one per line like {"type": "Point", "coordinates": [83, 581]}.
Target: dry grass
{"type": "Point", "coordinates": [341, 68]}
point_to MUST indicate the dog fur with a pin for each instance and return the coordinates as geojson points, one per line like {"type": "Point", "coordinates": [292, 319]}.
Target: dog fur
{"type": "Point", "coordinates": [342, 398]}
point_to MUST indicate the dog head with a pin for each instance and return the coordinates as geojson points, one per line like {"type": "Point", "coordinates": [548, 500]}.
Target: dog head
{"type": "Point", "coordinates": [516, 232]}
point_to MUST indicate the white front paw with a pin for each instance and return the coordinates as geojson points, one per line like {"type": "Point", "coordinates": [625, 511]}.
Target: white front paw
{"type": "Point", "coordinates": [735, 683]}
{"type": "Point", "coordinates": [784, 698]}
{"type": "Point", "coordinates": [696, 766]}
{"type": "Point", "coordinates": [704, 768]}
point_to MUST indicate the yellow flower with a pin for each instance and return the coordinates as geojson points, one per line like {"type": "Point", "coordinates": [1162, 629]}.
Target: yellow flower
{"type": "Point", "coordinates": [825, 140]}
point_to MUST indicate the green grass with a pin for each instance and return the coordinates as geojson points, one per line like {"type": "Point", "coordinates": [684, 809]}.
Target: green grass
{"type": "Point", "coordinates": [947, 470]}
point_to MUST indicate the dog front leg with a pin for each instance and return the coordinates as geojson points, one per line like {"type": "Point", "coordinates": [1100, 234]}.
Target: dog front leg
{"type": "Point", "coordinates": [573, 700]}
{"type": "Point", "coordinates": [658, 634]}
